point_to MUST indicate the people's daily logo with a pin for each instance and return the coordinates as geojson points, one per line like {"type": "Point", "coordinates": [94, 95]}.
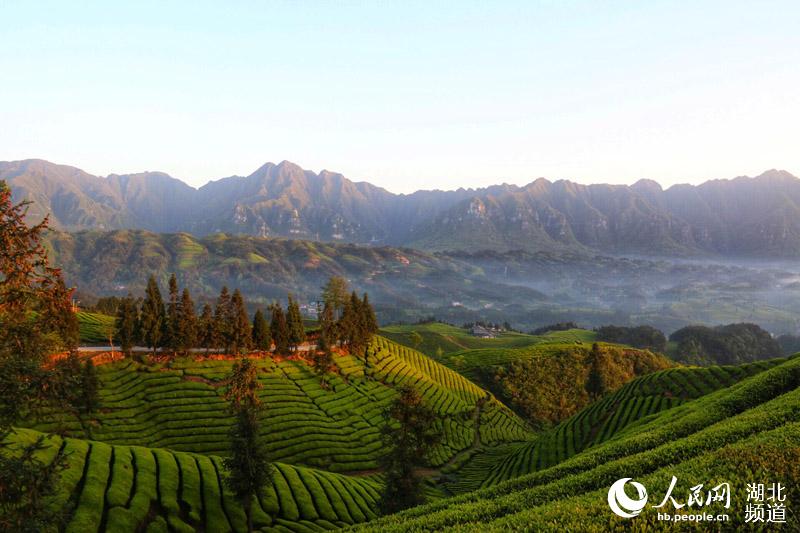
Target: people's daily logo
{"type": "Point", "coordinates": [621, 503]}
{"type": "Point", "coordinates": [766, 502]}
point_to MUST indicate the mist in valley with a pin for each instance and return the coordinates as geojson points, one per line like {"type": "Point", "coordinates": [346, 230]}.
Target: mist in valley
{"type": "Point", "coordinates": [665, 293]}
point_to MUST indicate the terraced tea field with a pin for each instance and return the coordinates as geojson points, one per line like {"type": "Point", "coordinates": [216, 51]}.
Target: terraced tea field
{"type": "Point", "coordinates": [151, 458]}
{"type": "Point", "coordinates": [447, 340]}
{"type": "Point", "coordinates": [603, 420]}
{"type": "Point", "coordinates": [132, 488]}
{"type": "Point", "coordinates": [334, 426]}
{"type": "Point", "coordinates": [95, 328]}
{"type": "Point", "coordinates": [740, 434]}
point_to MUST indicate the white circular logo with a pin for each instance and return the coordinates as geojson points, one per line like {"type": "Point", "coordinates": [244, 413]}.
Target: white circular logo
{"type": "Point", "coordinates": [621, 504]}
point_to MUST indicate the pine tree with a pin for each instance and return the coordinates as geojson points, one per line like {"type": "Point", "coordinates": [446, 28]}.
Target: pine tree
{"type": "Point", "coordinates": [172, 340]}
{"type": "Point", "coordinates": [409, 436]}
{"type": "Point", "coordinates": [222, 320]}
{"type": "Point", "coordinates": [125, 324]}
{"type": "Point", "coordinates": [279, 330]}
{"type": "Point", "coordinates": [346, 324]}
{"type": "Point", "coordinates": [28, 282]}
{"type": "Point", "coordinates": [241, 335]}
{"type": "Point", "coordinates": [353, 326]}
{"type": "Point", "coordinates": [60, 319]}
{"type": "Point", "coordinates": [370, 321]}
{"type": "Point", "coordinates": [327, 325]}
{"type": "Point", "coordinates": [261, 338]}
{"type": "Point", "coordinates": [294, 321]}
{"type": "Point", "coordinates": [206, 331]}
{"type": "Point", "coordinates": [334, 294]}
{"type": "Point", "coordinates": [152, 316]}
{"type": "Point", "coordinates": [248, 467]}
{"type": "Point", "coordinates": [187, 323]}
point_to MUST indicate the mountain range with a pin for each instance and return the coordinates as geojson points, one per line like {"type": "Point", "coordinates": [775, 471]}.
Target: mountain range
{"type": "Point", "coordinates": [741, 217]}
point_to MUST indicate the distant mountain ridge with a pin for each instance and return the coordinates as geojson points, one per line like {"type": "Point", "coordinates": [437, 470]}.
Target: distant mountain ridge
{"type": "Point", "coordinates": [746, 217]}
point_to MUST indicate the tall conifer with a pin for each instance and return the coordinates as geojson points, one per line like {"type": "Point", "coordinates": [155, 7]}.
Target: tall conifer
{"type": "Point", "coordinates": [368, 313]}
{"type": "Point", "coordinates": [294, 321]}
{"type": "Point", "coordinates": [206, 331]}
{"type": "Point", "coordinates": [241, 335]}
{"type": "Point", "coordinates": [152, 316]}
{"type": "Point", "coordinates": [222, 320]}
{"type": "Point", "coordinates": [125, 324]}
{"type": "Point", "coordinates": [261, 337]}
{"type": "Point", "coordinates": [172, 339]}
{"type": "Point", "coordinates": [248, 467]}
{"type": "Point", "coordinates": [187, 323]}
{"type": "Point", "coordinates": [279, 330]}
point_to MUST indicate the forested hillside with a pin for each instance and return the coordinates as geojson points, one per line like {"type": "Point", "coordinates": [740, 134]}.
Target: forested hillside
{"type": "Point", "coordinates": [400, 281]}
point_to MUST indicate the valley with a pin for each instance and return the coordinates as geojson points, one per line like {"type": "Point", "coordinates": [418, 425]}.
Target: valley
{"type": "Point", "coordinates": [399, 267]}
{"type": "Point", "coordinates": [408, 285]}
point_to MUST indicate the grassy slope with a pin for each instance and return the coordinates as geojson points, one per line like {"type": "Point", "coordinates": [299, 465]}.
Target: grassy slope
{"type": "Point", "coordinates": [180, 407]}
{"type": "Point", "coordinates": [747, 432]}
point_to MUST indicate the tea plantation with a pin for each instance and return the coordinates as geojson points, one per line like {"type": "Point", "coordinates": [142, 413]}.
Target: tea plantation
{"type": "Point", "coordinates": [150, 459]}
{"type": "Point", "coordinates": [607, 418]}
{"type": "Point", "coordinates": [131, 488]}
{"type": "Point", "coordinates": [335, 425]}
{"type": "Point", "coordinates": [95, 328]}
{"type": "Point", "coordinates": [746, 433]}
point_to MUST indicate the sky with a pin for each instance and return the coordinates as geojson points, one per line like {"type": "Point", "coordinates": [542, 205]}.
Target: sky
{"type": "Point", "coordinates": [406, 95]}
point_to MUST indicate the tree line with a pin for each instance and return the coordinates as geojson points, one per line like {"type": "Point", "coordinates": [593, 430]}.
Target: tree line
{"type": "Point", "coordinates": [174, 326]}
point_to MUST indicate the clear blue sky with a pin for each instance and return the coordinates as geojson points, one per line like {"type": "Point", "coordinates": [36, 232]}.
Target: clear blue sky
{"type": "Point", "coordinates": [405, 95]}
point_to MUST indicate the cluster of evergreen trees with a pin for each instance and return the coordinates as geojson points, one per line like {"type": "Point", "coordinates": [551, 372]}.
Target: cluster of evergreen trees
{"type": "Point", "coordinates": [175, 327]}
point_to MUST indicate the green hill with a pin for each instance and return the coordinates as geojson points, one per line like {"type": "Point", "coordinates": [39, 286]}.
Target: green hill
{"type": "Point", "coordinates": [548, 379]}
{"type": "Point", "coordinates": [336, 427]}
{"type": "Point", "coordinates": [744, 433]}
{"type": "Point", "coordinates": [602, 421]}
{"type": "Point", "coordinates": [150, 458]}
{"type": "Point", "coordinates": [443, 339]}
